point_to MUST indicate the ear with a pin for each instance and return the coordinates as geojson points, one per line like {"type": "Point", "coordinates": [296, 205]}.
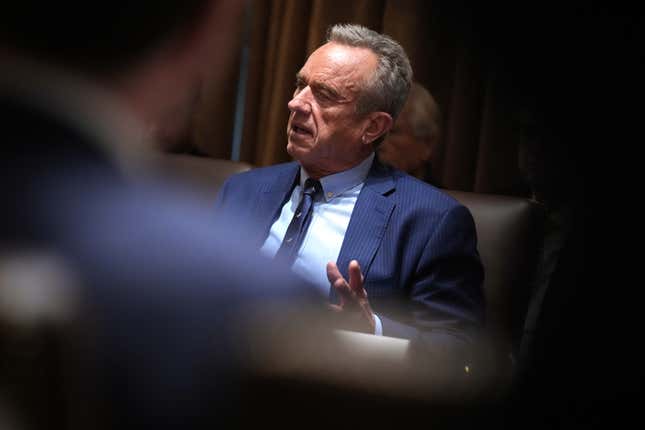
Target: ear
{"type": "Point", "coordinates": [378, 124]}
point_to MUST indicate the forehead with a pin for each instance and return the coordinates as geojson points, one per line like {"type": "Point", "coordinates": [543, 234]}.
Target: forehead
{"type": "Point", "coordinates": [340, 66]}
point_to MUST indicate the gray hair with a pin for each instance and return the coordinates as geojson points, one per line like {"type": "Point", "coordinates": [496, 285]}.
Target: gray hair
{"type": "Point", "coordinates": [388, 87]}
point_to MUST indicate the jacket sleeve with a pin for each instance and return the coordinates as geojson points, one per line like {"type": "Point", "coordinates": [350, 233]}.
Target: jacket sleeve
{"type": "Point", "coordinates": [444, 309]}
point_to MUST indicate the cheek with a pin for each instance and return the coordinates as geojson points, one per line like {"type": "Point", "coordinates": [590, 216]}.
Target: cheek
{"type": "Point", "coordinates": [395, 145]}
{"type": "Point", "coordinates": [394, 141]}
{"type": "Point", "coordinates": [327, 126]}
{"type": "Point", "coordinates": [334, 128]}
{"type": "Point", "coordinates": [412, 149]}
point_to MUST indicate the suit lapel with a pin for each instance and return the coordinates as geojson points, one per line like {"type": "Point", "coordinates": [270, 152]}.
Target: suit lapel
{"type": "Point", "coordinates": [271, 198]}
{"type": "Point", "coordinates": [369, 220]}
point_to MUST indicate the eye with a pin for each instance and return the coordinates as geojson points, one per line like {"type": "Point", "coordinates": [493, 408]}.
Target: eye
{"type": "Point", "coordinates": [322, 96]}
{"type": "Point", "coordinates": [300, 85]}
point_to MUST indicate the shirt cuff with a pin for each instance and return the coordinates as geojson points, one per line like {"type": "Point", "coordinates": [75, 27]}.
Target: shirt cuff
{"type": "Point", "coordinates": [378, 327]}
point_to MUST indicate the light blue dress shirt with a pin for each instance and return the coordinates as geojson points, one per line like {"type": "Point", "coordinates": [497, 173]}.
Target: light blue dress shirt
{"type": "Point", "coordinates": [330, 218]}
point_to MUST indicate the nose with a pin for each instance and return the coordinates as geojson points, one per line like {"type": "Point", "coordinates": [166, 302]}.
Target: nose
{"type": "Point", "coordinates": [301, 101]}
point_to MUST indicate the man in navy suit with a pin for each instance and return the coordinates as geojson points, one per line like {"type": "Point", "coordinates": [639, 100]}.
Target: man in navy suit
{"type": "Point", "coordinates": [400, 256]}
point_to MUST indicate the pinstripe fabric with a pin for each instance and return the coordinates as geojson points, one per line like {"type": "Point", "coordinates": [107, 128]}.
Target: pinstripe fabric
{"type": "Point", "coordinates": [416, 245]}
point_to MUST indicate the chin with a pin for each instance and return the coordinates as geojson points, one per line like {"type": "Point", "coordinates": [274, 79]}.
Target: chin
{"type": "Point", "coordinates": [298, 153]}
{"type": "Point", "coordinates": [290, 147]}
{"type": "Point", "coordinates": [293, 150]}
{"type": "Point", "coordinates": [296, 145]}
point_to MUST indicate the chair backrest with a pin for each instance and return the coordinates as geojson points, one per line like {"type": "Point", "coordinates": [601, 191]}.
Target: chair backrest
{"type": "Point", "coordinates": [203, 174]}
{"type": "Point", "coordinates": [509, 231]}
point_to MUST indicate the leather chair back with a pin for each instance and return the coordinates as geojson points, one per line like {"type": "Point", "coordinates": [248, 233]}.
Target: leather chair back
{"type": "Point", "coordinates": [509, 231]}
{"type": "Point", "coordinates": [203, 175]}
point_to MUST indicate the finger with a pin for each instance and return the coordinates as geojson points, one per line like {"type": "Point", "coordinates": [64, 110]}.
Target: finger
{"type": "Point", "coordinates": [342, 288]}
{"type": "Point", "coordinates": [333, 273]}
{"type": "Point", "coordinates": [356, 279]}
{"type": "Point", "coordinates": [339, 283]}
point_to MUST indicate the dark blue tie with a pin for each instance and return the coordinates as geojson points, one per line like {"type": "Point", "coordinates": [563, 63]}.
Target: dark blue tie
{"type": "Point", "coordinates": [299, 223]}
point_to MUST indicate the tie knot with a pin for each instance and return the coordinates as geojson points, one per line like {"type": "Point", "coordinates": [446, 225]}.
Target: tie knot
{"type": "Point", "coordinates": [312, 187]}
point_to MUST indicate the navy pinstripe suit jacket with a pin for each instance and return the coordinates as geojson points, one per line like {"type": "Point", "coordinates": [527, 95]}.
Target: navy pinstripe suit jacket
{"type": "Point", "coordinates": [417, 246]}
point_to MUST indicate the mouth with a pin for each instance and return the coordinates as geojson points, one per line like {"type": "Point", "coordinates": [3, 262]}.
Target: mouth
{"type": "Point", "coordinates": [301, 130]}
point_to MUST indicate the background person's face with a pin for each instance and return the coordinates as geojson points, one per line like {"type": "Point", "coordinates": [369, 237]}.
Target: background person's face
{"type": "Point", "coordinates": [403, 150]}
{"type": "Point", "coordinates": [324, 132]}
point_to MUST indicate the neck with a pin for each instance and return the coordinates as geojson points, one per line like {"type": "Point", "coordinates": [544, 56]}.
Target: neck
{"type": "Point", "coordinates": [317, 171]}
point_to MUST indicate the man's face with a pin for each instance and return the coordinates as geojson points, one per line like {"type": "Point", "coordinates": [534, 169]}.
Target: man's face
{"type": "Point", "coordinates": [324, 132]}
{"type": "Point", "coordinates": [403, 150]}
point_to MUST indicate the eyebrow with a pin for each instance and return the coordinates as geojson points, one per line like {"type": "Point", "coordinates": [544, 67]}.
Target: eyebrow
{"type": "Point", "coordinates": [332, 92]}
{"type": "Point", "coordinates": [319, 86]}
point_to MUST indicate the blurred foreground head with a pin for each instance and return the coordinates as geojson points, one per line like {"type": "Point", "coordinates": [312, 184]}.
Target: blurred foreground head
{"type": "Point", "coordinates": [413, 141]}
{"type": "Point", "coordinates": [152, 55]}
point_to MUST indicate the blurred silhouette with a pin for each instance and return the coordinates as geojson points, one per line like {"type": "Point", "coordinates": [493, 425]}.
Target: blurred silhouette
{"type": "Point", "coordinates": [414, 139]}
{"type": "Point", "coordinates": [551, 175]}
{"type": "Point", "coordinates": [121, 302]}
{"type": "Point", "coordinates": [555, 382]}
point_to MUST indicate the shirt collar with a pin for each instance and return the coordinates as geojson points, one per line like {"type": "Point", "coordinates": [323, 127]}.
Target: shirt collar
{"type": "Point", "coordinates": [337, 183]}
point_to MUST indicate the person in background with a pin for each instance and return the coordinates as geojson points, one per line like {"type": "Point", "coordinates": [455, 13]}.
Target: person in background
{"type": "Point", "coordinates": [551, 175]}
{"type": "Point", "coordinates": [414, 140]}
